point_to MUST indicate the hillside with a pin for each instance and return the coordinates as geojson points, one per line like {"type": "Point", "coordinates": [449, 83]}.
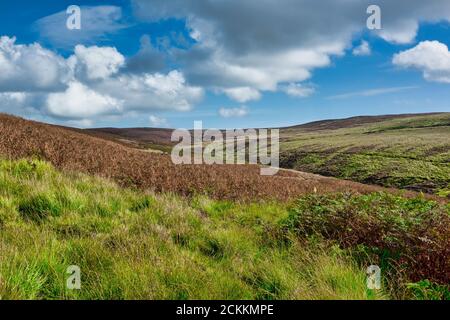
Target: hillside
{"type": "Point", "coordinates": [121, 214]}
{"type": "Point", "coordinates": [409, 152]}
{"type": "Point", "coordinates": [131, 244]}
{"type": "Point", "coordinates": [160, 137]}
{"type": "Point", "coordinates": [72, 150]}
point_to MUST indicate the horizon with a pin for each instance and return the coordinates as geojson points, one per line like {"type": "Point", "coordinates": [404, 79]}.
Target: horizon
{"type": "Point", "coordinates": [137, 63]}
{"type": "Point", "coordinates": [405, 115]}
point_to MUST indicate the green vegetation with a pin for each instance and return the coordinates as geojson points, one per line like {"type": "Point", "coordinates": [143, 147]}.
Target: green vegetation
{"type": "Point", "coordinates": [135, 245]}
{"type": "Point", "coordinates": [408, 153]}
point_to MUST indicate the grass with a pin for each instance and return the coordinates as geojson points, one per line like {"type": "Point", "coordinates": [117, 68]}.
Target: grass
{"type": "Point", "coordinates": [408, 153]}
{"type": "Point", "coordinates": [135, 245]}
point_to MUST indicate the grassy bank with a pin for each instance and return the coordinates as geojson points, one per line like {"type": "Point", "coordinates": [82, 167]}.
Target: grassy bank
{"type": "Point", "coordinates": [133, 245]}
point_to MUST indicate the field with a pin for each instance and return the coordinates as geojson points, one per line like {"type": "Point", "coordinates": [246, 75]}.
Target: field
{"type": "Point", "coordinates": [140, 227]}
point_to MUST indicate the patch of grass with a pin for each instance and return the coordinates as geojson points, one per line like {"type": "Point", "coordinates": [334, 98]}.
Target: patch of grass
{"type": "Point", "coordinates": [135, 245]}
{"type": "Point", "coordinates": [39, 207]}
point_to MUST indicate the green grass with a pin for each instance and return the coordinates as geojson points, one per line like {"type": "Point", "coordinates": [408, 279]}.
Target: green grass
{"type": "Point", "coordinates": [135, 245]}
{"type": "Point", "coordinates": [408, 153]}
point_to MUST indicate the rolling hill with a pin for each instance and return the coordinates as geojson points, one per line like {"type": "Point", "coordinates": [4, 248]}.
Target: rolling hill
{"type": "Point", "coordinates": [73, 150]}
{"type": "Point", "coordinates": [408, 151]}
{"type": "Point", "coordinates": [139, 227]}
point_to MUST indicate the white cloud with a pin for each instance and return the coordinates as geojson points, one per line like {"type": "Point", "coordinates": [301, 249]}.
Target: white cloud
{"type": "Point", "coordinates": [83, 123]}
{"type": "Point", "coordinates": [157, 121]}
{"type": "Point", "coordinates": [430, 57]}
{"type": "Point", "coordinates": [148, 58]}
{"type": "Point", "coordinates": [298, 90]}
{"type": "Point", "coordinates": [80, 102]}
{"type": "Point", "coordinates": [153, 91]}
{"type": "Point", "coordinates": [29, 67]}
{"type": "Point", "coordinates": [363, 49]}
{"type": "Point", "coordinates": [96, 63]}
{"type": "Point", "coordinates": [243, 94]}
{"type": "Point", "coordinates": [233, 112]}
{"type": "Point", "coordinates": [91, 83]}
{"type": "Point", "coordinates": [403, 31]}
{"type": "Point", "coordinates": [18, 103]}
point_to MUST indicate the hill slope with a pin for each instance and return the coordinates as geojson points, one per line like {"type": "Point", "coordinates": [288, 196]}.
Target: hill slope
{"type": "Point", "coordinates": [135, 244]}
{"type": "Point", "coordinates": [408, 152]}
{"type": "Point", "coordinates": [131, 244]}
{"type": "Point", "coordinates": [71, 150]}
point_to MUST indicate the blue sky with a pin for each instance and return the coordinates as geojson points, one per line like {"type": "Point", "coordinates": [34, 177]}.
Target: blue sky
{"type": "Point", "coordinates": [166, 58]}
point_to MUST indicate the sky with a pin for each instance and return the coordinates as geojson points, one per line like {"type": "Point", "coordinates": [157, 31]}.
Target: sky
{"type": "Point", "coordinates": [230, 64]}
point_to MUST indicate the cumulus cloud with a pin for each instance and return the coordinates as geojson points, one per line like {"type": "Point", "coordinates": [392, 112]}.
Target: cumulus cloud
{"type": "Point", "coordinates": [298, 90]}
{"type": "Point", "coordinates": [243, 94]}
{"type": "Point", "coordinates": [30, 67]}
{"type": "Point", "coordinates": [363, 49]}
{"type": "Point", "coordinates": [148, 59]}
{"type": "Point", "coordinates": [278, 42]}
{"type": "Point", "coordinates": [97, 63]}
{"type": "Point", "coordinates": [430, 57]}
{"type": "Point", "coordinates": [153, 91]}
{"type": "Point", "coordinates": [97, 22]}
{"type": "Point", "coordinates": [80, 102]}
{"type": "Point", "coordinates": [233, 112]}
{"type": "Point", "coordinates": [16, 102]}
{"type": "Point", "coordinates": [91, 83]}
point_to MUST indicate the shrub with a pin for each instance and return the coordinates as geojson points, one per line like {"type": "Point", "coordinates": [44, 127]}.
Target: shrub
{"type": "Point", "coordinates": [411, 235]}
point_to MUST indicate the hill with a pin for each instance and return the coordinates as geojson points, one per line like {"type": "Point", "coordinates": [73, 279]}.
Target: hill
{"type": "Point", "coordinates": [120, 214]}
{"type": "Point", "coordinates": [72, 150]}
{"type": "Point", "coordinates": [408, 152]}
{"type": "Point", "coordinates": [160, 137]}
{"type": "Point", "coordinates": [131, 244]}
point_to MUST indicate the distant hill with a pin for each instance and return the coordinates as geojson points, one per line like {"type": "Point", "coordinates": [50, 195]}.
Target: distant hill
{"type": "Point", "coordinates": [357, 121]}
{"type": "Point", "coordinates": [403, 151]}
{"type": "Point", "coordinates": [407, 151]}
{"type": "Point", "coordinates": [160, 137]}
